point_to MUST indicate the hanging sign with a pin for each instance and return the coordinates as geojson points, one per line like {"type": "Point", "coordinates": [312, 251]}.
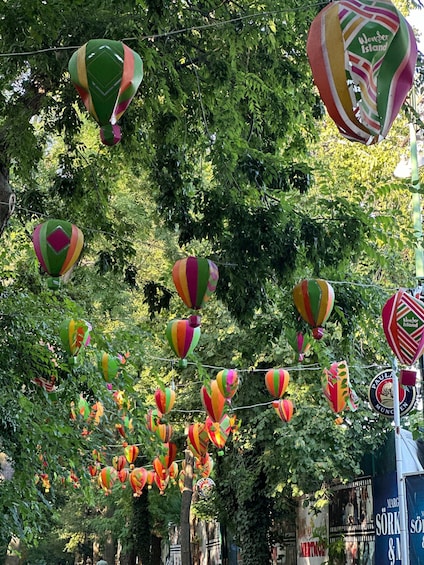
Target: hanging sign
{"type": "Point", "coordinates": [380, 395]}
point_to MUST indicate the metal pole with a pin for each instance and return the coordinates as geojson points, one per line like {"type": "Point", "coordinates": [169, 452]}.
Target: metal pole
{"type": "Point", "coordinates": [404, 539]}
{"type": "Point", "coordinates": [416, 203]}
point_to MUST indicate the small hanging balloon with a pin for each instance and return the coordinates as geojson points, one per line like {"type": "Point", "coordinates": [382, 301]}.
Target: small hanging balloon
{"type": "Point", "coordinates": [182, 338]}
{"type": "Point", "coordinates": [301, 343]}
{"type": "Point", "coordinates": [362, 56]}
{"type": "Point", "coordinates": [138, 478]}
{"type": "Point", "coordinates": [195, 280]}
{"type": "Point", "coordinates": [205, 465]}
{"type": "Point", "coordinates": [109, 365]}
{"type": "Point", "coordinates": [164, 432]}
{"type": "Point", "coordinates": [314, 300]}
{"type": "Point", "coordinates": [198, 439]}
{"type": "Point", "coordinates": [57, 245]}
{"type": "Point", "coordinates": [131, 454]}
{"type": "Point", "coordinates": [123, 475]}
{"type": "Point", "coordinates": [153, 417]}
{"type": "Point", "coordinates": [169, 455]}
{"type": "Point", "coordinates": [107, 478]}
{"type": "Point", "coordinates": [283, 408]}
{"type": "Point", "coordinates": [74, 335]}
{"type": "Point", "coordinates": [213, 401]}
{"type": "Point", "coordinates": [276, 382]}
{"type": "Point", "coordinates": [107, 75]}
{"type": "Point", "coordinates": [119, 462]}
{"type": "Point", "coordinates": [228, 382]}
{"type": "Point", "coordinates": [165, 399]}
{"type": "Point", "coordinates": [336, 386]}
{"type": "Point", "coordinates": [218, 432]}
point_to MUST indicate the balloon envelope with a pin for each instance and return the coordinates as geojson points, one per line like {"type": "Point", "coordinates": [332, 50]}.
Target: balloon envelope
{"type": "Point", "coordinates": [336, 386]}
{"type": "Point", "coordinates": [74, 334]}
{"type": "Point", "coordinates": [195, 280]}
{"type": "Point", "coordinates": [165, 399]}
{"type": "Point", "coordinates": [284, 409]}
{"type": "Point", "coordinates": [362, 56]}
{"type": "Point", "coordinates": [228, 382]}
{"type": "Point", "coordinates": [276, 382]}
{"type": "Point", "coordinates": [57, 245]}
{"type": "Point", "coordinates": [106, 74]}
{"type": "Point", "coordinates": [403, 325]}
{"type": "Point", "coordinates": [314, 300]}
{"type": "Point", "coordinates": [182, 337]}
{"type": "Point", "coordinates": [198, 439]}
{"type": "Point", "coordinates": [213, 401]}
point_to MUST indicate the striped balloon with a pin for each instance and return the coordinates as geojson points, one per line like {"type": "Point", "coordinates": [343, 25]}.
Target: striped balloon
{"type": "Point", "coordinates": [195, 279]}
{"type": "Point", "coordinates": [213, 401]}
{"type": "Point", "coordinates": [403, 325]}
{"type": "Point", "coordinates": [164, 432]}
{"type": "Point", "coordinates": [58, 245]}
{"type": "Point", "coordinates": [276, 382]}
{"type": "Point", "coordinates": [131, 454]}
{"type": "Point", "coordinates": [228, 382]}
{"type": "Point", "coordinates": [336, 386]}
{"type": "Point", "coordinates": [74, 334]}
{"type": "Point", "coordinates": [165, 399]}
{"type": "Point", "coordinates": [218, 431]}
{"type": "Point", "coordinates": [183, 338]}
{"type": "Point", "coordinates": [168, 457]}
{"type": "Point", "coordinates": [314, 300]}
{"type": "Point", "coordinates": [138, 478]}
{"type": "Point", "coordinates": [153, 417]}
{"type": "Point", "coordinates": [362, 56]}
{"type": "Point", "coordinates": [106, 74]}
{"type": "Point", "coordinates": [198, 439]}
{"type": "Point", "coordinates": [107, 478]}
{"type": "Point", "coordinates": [284, 409]}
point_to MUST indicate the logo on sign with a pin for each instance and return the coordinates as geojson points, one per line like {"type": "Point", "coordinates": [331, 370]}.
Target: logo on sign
{"type": "Point", "coordinates": [380, 395]}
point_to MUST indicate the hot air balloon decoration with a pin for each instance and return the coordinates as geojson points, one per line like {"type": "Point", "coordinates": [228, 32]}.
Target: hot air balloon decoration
{"type": "Point", "coordinates": [138, 478]}
{"type": "Point", "coordinates": [198, 439]}
{"type": "Point", "coordinates": [131, 454]}
{"type": "Point", "coordinates": [195, 279]}
{"type": "Point", "coordinates": [403, 325]}
{"type": "Point", "coordinates": [110, 365]}
{"type": "Point", "coordinates": [337, 389]}
{"type": "Point", "coordinates": [205, 465]}
{"type": "Point", "coordinates": [284, 409]}
{"type": "Point", "coordinates": [362, 55]}
{"type": "Point", "coordinates": [228, 382]}
{"type": "Point", "coordinates": [153, 417]}
{"type": "Point", "coordinates": [301, 343]}
{"type": "Point", "coordinates": [183, 338]}
{"type": "Point", "coordinates": [169, 454]}
{"type": "Point", "coordinates": [277, 381]}
{"type": "Point", "coordinates": [57, 245]}
{"type": "Point", "coordinates": [107, 478]}
{"type": "Point", "coordinates": [164, 432]}
{"type": "Point", "coordinates": [74, 335]}
{"type": "Point", "coordinates": [165, 399]}
{"type": "Point", "coordinates": [107, 75]}
{"type": "Point", "coordinates": [218, 431]}
{"type": "Point", "coordinates": [213, 401]}
{"type": "Point", "coordinates": [314, 300]}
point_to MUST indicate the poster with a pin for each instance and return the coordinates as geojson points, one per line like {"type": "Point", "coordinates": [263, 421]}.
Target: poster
{"type": "Point", "coordinates": [312, 529]}
{"type": "Point", "coordinates": [387, 526]}
{"type": "Point", "coordinates": [415, 507]}
{"type": "Point", "coordinates": [351, 518]}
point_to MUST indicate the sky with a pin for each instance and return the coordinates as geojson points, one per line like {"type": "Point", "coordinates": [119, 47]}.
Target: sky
{"type": "Point", "coordinates": [416, 19]}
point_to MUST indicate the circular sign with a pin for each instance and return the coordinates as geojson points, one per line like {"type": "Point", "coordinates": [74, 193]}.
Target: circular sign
{"type": "Point", "coordinates": [380, 395]}
{"type": "Point", "coordinates": [205, 487]}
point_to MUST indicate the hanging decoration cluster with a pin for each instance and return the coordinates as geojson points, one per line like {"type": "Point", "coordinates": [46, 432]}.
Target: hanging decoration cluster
{"type": "Point", "coordinates": [363, 56]}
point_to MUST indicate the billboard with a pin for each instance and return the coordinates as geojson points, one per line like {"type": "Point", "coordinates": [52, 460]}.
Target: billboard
{"type": "Point", "coordinates": [415, 507]}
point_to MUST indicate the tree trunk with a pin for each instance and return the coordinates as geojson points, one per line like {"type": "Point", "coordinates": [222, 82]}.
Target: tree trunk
{"type": "Point", "coordinates": [185, 509]}
{"type": "Point", "coordinates": [7, 201]}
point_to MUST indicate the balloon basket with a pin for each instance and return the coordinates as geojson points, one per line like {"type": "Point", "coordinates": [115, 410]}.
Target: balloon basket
{"type": "Point", "coordinates": [53, 283]}
{"type": "Point", "coordinates": [408, 377]}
